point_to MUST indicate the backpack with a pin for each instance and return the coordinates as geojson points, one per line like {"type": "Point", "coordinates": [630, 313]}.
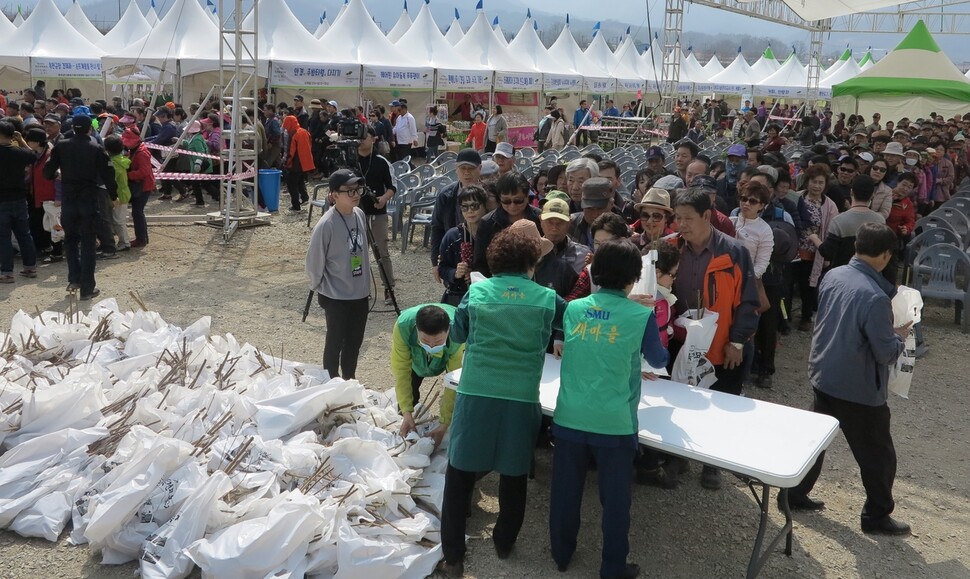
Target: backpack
{"type": "Point", "coordinates": [542, 131]}
{"type": "Point", "coordinates": [786, 237]}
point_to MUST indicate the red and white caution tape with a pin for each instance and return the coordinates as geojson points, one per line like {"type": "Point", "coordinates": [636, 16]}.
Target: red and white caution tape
{"type": "Point", "coordinates": [181, 151]}
{"type": "Point", "coordinates": [247, 174]}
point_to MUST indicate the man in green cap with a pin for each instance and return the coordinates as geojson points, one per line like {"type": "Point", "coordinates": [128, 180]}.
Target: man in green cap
{"type": "Point", "coordinates": [421, 348]}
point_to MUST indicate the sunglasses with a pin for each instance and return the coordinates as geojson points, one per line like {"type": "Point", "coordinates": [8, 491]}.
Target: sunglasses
{"type": "Point", "coordinates": [878, 168]}
{"type": "Point", "coordinates": [653, 216]}
{"type": "Point", "coordinates": [471, 206]}
{"type": "Point", "coordinates": [513, 201]}
{"type": "Point", "coordinates": [846, 170]}
{"type": "Point", "coordinates": [751, 200]}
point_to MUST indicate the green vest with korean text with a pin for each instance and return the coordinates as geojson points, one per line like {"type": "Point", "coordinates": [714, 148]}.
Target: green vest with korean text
{"type": "Point", "coordinates": [600, 378]}
{"type": "Point", "coordinates": [509, 326]}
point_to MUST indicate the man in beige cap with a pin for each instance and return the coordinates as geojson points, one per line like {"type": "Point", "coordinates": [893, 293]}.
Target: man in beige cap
{"type": "Point", "coordinates": [597, 199]}
{"type": "Point", "coordinates": [559, 269]}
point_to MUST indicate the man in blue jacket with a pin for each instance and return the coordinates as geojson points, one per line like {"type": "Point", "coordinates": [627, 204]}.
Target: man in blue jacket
{"type": "Point", "coordinates": [853, 346]}
{"type": "Point", "coordinates": [580, 119]}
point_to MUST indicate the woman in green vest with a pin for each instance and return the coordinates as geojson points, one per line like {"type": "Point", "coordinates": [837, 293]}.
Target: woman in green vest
{"type": "Point", "coordinates": [506, 322]}
{"type": "Point", "coordinates": [606, 333]}
{"type": "Point", "coordinates": [421, 348]}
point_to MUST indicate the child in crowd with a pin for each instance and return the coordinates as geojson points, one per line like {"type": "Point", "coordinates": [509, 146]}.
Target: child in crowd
{"type": "Point", "coordinates": [476, 137]}
{"type": "Point", "coordinates": [668, 260]}
{"type": "Point", "coordinates": [119, 214]}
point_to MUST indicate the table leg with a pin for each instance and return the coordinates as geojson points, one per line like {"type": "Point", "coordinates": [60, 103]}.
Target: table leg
{"type": "Point", "coordinates": [759, 556]}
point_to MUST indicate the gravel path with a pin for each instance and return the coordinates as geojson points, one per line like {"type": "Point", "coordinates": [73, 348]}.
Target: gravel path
{"type": "Point", "coordinates": [254, 288]}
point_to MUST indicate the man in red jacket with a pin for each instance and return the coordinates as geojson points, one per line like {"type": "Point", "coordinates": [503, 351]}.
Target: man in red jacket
{"type": "Point", "coordinates": [299, 161]}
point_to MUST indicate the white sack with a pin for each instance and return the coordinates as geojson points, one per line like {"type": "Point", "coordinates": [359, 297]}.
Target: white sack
{"type": "Point", "coordinates": [692, 366]}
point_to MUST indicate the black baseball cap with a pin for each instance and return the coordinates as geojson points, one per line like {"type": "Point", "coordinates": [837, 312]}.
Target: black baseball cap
{"type": "Point", "coordinates": [81, 122]}
{"type": "Point", "coordinates": [342, 177]}
{"type": "Point", "coordinates": [704, 182]}
{"type": "Point", "coordinates": [655, 152]}
{"type": "Point", "coordinates": [468, 157]}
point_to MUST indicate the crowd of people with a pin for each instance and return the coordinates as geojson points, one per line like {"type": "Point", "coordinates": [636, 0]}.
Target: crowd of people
{"type": "Point", "coordinates": [771, 242]}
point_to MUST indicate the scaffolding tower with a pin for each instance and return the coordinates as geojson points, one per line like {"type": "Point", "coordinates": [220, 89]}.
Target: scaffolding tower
{"type": "Point", "coordinates": [238, 89]}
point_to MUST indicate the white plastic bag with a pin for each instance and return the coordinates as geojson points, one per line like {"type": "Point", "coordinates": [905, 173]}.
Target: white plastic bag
{"type": "Point", "coordinates": [647, 284]}
{"type": "Point", "coordinates": [52, 221]}
{"type": "Point", "coordinates": [692, 366]}
{"type": "Point", "coordinates": [907, 307]}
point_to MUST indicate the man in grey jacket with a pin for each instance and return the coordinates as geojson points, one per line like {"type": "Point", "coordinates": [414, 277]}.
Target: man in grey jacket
{"type": "Point", "coordinates": [853, 346]}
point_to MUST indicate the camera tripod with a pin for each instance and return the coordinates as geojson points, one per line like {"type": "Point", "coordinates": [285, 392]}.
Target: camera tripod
{"type": "Point", "coordinates": [385, 279]}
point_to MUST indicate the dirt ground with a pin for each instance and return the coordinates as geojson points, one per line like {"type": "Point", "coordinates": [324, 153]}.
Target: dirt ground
{"type": "Point", "coordinates": [254, 288]}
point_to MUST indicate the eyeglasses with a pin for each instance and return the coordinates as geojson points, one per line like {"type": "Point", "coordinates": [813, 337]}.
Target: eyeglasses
{"type": "Point", "coordinates": [471, 206]}
{"type": "Point", "coordinates": [670, 275]}
{"type": "Point", "coordinates": [751, 200]}
{"type": "Point", "coordinates": [505, 202]}
{"type": "Point", "coordinates": [846, 170]}
{"type": "Point", "coordinates": [355, 192]}
{"type": "Point", "coordinates": [878, 168]}
{"type": "Point", "coordinates": [653, 216]}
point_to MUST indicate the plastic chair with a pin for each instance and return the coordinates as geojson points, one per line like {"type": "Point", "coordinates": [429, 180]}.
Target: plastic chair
{"type": "Point", "coordinates": [946, 269]}
{"type": "Point", "coordinates": [419, 213]}
{"type": "Point", "coordinates": [527, 152]}
{"type": "Point", "coordinates": [932, 222]}
{"type": "Point", "coordinates": [437, 184]}
{"type": "Point", "coordinates": [931, 236]}
{"type": "Point", "coordinates": [521, 164]}
{"type": "Point", "coordinates": [957, 220]}
{"type": "Point", "coordinates": [548, 163]}
{"type": "Point", "coordinates": [314, 202]}
{"type": "Point", "coordinates": [443, 157]}
{"type": "Point", "coordinates": [568, 156]}
{"type": "Point", "coordinates": [549, 154]}
{"type": "Point", "coordinates": [426, 172]}
{"type": "Point", "coordinates": [400, 168]}
{"type": "Point", "coordinates": [528, 172]}
{"type": "Point", "coordinates": [446, 166]}
{"type": "Point", "coordinates": [409, 181]}
{"type": "Point", "coordinates": [617, 152]}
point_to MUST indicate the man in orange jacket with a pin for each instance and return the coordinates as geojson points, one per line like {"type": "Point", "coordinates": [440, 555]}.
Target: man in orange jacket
{"type": "Point", "coordinates": [299, 162]}
{"type": "Point", "coordinates": [717, 270]}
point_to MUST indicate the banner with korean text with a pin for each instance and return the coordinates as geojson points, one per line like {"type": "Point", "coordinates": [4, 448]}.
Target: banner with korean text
{"type": "Point", "coordinates": [79, 68]}
{"type": "Point", "coordinates": [561, 83]}
{"type": "Point", "coordinates": [403, 78]}
{"type": "Point", "coordinates": [464, 80]}
{"type": "Point", "coordinates": [517, 82]}
{"type": "Point", "coordinates": [305, 74]}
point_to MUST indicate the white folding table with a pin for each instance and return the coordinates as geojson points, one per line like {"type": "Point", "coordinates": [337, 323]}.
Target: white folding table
{"type": "Point", "coordinates": [765, 444]}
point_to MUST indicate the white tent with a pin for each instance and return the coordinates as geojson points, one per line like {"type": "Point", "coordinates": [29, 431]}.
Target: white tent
{"type": "Point", "coordinates": [692, 71]}
{"type": "Point", "coordinates": [567, 53]}
{"type": "Point", "coordinates": [482, 47]}
{"type": "Point", "coordinates": [402, 26]}
{"type": "Point", "coordinates": [210, 9]}
{"type": "Point", "coordinates": [844, 58]}
{"type": "Point", "coordinates": [6, 27]}
{"type": "Point", "coordinates": [75, 16]}
{"type": "Point", "coordinates": [627, 58]}
{"type": "Point", "coordinates": [281, 37]}
{"type": "Point", "coordinates": [425, 41]}
{"type": "Point", "coordinates": [152, 16]}
{"type": "Point", "coordinates": [791, 80]}
{"type": "Point", "coordinates": [185, 42]}
{"type": "Point", "coordinates": [323, 27]}
{"type": "Point", "coordinates": [129, 28]}
{"type": "Point", "coordinates": [736, 78]}
{"type": "Point", "coordinates": [18, 19]}
{"type": "Point", "coordinates": [47, 36]}
{"type": "Point", "coordinates": [343, 8]}
{"type": "Point", "coordinates": [599, 53]}
{"type": "Point", "coordinates": [867, 61]}
{"type": "Point", "coordinates": [713, 66]}
{"type": "Point", "coordinates": [455, 33]}
{"type": "Point", "coordinates": [766, 65]}
{"type": "Point", "coordinates": [849, 69]}
{"type": "Point", "coordinates": [358, 40]}
{"type": "Point", "coordinates": [533, 53]}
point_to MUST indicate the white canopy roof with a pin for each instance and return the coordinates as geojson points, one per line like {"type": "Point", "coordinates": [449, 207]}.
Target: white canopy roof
{"type": "Point", "coordinates": [455, 33]}
{"type": "Point", "coordinates": [152, 16]}
{"type": "Point", "coordinates": [18, 19]}
{"type": "Point", "coordinates": [129, 28]}
{"type": "Point", "coordinates": [323, 27]}
{"type": "Point", "coordinates": [482, 48]}
{"type": "Point", "coordinates": [692, 71]}
{"type": "Point", "coordinates": [75, 15]}
{"type": "Point", "coordinates": [713, 66]}
{"type": "Point", "coordinates": [849, 69]}
{"type": "Point", "coordinates": [281, 37]}
{"type": "Point", "coordinates": [822, 9]}
{"type": "Point", "coordinates": [627, 58]}
{"type": "Point", "coordinates": [186, 35]}
{"type": "Point", "coordinates": [599, 53]}
{"type": "Point", "coordinates": [791, 78]}
{"type": "Point", "coordinates": [567, 53]}
{"type": "Point", "coordinates": [358, 40]}
{"type": "Point", "coordinates": [530, 49]}
{"type": "Point", "coordinates": [738, 73]}
{"type": "Point", "coordinates": [403, 23]}
{"type": "Point", "coordinates": [766, 65]}
{"type": "Point", "coordinates": [6, 27]}
{"type": "Point", "coordinates": [343, 8]}
{"type": "Point", "coordinates": [499, 33]}
{"type": "Point", "coordinates": [45, 33]}
{"type": "Point", "coordinates": [424, 40]}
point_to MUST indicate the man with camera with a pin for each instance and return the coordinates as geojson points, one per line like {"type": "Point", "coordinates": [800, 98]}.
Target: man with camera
{"type": "Point", "coordinates": [379, 188]}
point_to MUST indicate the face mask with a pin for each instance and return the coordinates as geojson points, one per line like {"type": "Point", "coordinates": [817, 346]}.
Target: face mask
{"type": "Point", "coordinates": [911, 162]}
{"type": "Point", "coordinates": [432, 350]}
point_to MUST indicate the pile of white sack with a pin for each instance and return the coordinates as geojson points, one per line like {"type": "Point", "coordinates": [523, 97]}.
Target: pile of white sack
{"type": "Point", "coordinates": [176, 448]}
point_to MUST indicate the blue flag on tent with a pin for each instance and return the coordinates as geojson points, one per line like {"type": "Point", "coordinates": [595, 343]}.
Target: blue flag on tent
{"type": "Point", "coordinates": [495, 21]}
{"type": "Point", "coordinates": [457, 16]}
{"type": "Point", "coordinates": [480, 5]}
{"type": "Point", "coordinates": [528, 12]}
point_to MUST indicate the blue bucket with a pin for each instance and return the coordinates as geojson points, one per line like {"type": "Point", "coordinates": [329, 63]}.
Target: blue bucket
{"type": "Point", "coordinates": [269, 188]}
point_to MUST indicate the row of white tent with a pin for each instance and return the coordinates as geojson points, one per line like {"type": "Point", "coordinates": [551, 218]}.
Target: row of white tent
{"type": "Point", "coordinates": [352, 51]}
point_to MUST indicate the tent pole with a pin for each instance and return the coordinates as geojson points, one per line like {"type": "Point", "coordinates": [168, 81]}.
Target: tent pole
{"type": "Point", "coordinates": [360, 87]}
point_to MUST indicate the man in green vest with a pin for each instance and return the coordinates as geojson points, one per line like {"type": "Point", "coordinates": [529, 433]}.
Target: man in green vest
{"type": "Point", "coordinates": [596, 410]}
{"type": "Point", "coordinates": [421, 348]}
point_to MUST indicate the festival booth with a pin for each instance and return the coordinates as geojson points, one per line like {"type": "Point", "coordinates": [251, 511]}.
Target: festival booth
{"type": "Point", "coordinates": [130, 80]}
{"type": "Point", "coordinates": [615, 77]}
{"type": "Point", "coordinates": [516, 85]}
{"type": "Point", "coordinates": [692, 73]}
{"type": "Point", "coordinates": [713, 66]}
{"type": "Point", "coordinates": [789, 81]}
{"type": "Point", "coordinates": [913, 80]}
{"type": "Point", "coordinates": [568, 89]}
{"type": "Point", "coordinates": [631, 82]}
{"type": "Point", "coordinates": [184, 43]}
{"type": "Point", "coordinates": [47, 47]}
{"type": "Point", "coordinates": [765, 66]}
{"type": "Point", "coordinates": [75, 17]}
{"type": "Point", "coordinates": [847, 70]}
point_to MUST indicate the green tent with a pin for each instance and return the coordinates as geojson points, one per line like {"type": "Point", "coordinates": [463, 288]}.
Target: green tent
{"type": "Point", "coordinates": [916, 78]}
